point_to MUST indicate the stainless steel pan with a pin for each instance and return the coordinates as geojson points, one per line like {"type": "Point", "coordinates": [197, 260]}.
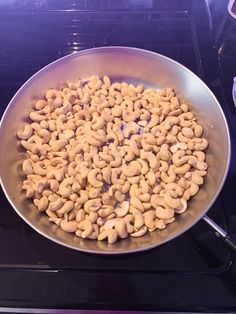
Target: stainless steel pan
{"type": "Point", "coordinates": [122, 64]}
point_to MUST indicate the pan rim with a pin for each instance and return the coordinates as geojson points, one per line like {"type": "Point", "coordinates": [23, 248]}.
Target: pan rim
{"type": "Point", "coordinates": [110, 252]}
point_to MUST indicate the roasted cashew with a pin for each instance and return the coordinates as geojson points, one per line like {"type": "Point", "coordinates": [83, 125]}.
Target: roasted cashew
{"type": "Point", "coordinates": [135, 202]}
{"type": "Point", "coordinates": [198, 130]}
{"type": "Point", "coordinates": [164, 153]}
{"type": "Point", "coordinates": [69, 226]}
{"type": "Point", "coordinates": [26, 133]}
{"type": "Point", "coordinates": [170, 201]}
{"type": "Point", "coordinates": [151, 178]}
{"type": "Point", "coordinates": [185, 119]}
{"type": "Point", "coordinates": [179, 158]}
{"type": "Point", "coordinates": [120, 227]}
{"type": "Point", "coordinates": [170, 121]}
{"type": "Point", "coordinates": [110, 234]}
{"type": "Point", "coordinates": [179, 145]}
{"type": "Point", "coordinates": [27, 166]}
{"type": "Point", "coordinates": [87, 228]}
{"type": "Point", "coordinates": [198, 144]}
{"type": "Point", "coordinates": [92, 178]}
{"type": "Point", "coordinates": [92, 205]}
{"type": "Point", "coordinates": [164, 213]}
{"type": "Point", "coordinates": [149, 218]}
{"type": "Point", "coordinates": [151, 158]}
{"type": "Point", "coordinates": [36, 117]}
{"type": "Point", "coordinates": [42, 203]}
{"type": "Point", "coordinates": [105, 211]}
{"type": "Point", "coordinates": [66, 208]}
{"type": "Point", "coordinates": [131, 128]}
{"type": "Point", "coordinates": [175, 187]}
{"type": "Point", "coordinates": [133, 180]}
{"type": "Point", "coordinates": [65, 187]}
{"type": "Point", "coordinates": [140, 232]}
{"type": "Point", "coordinates": [132, 169]}
{"type": "Point", "coordinates": [80, 216]}
{"type": "Point", "coordinates": [182, 207]}
{"type": "Point", "coordinates": [138, 218]}
{"type": "Point", "coordinates": [182, 169]}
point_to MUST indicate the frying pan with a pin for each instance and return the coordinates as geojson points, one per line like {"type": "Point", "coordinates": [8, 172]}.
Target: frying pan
{"type": "Point", "coordinates": [134, 66]}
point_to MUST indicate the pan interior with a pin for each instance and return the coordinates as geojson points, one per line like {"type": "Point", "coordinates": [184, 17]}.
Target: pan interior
{"type": "Point", "coordinates": [121, 64]}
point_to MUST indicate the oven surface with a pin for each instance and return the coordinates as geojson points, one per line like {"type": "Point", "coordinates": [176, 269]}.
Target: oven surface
{"type": "Point", "coordinates": [194, 272]}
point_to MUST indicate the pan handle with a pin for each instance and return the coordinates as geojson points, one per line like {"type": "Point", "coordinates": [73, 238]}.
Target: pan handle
{"type": "Point", "coordinates": [228, 239]}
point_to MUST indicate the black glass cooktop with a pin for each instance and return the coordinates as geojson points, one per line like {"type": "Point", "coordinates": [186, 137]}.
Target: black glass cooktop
{"type": "Point", "coordinates": [31, 41]}
{"type": "Point", "coordinates": [35, 33]}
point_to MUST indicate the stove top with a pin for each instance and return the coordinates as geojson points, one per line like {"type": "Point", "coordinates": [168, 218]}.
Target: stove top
{"type": "Point", "coordinates": [35, 33]}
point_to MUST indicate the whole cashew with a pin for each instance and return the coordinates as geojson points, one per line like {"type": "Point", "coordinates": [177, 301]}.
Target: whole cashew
{"type": "Point", "coordinates": [26, 133]}
{"type": "Point", "coordinates": [42, 204]}
{"type": "Point", "coordinates": [187, 132]}
{"type": "Point", "coordinates": [198, 144]}
{"type": "Point", "coordinates": [94, 192]}
{"type": "Point", "coordinates": [151, 158]}
{"type": "Point", "coordinates": [138, 218]}
{"type": "Point", "coordinates": [140, 232]}
{"type": "Point", "coordinates": [123, 210]}
{"type": "Point", "coordinates": [179, 158]}
{"type": "Point", "coordinates": [135, 202]}
{"type": "Point", "coordinates": [99, 124]}
{"type": "Point", "coordinates": [149, 218]}
{"type": "Point", "coordinates": [98, 163]}
{"type": "Point", "coordinates": [65, 187]}
{"type": "Point", "coordinates": [170, 121]}
{"type": "Point", "coordinates": [94, 234]}
{"type": "Point", "coordinates": [80, 216]}
{"type": "Point", "coordinates": [132, 169]}
{"type": "Point", "coordinates": [39, 168]}
{"type": "Point", "coordinates": [133, 180]}
{"type": "Point", "coordinates": [164, 213]}
{"type": "Point", "coordinates": [160, 224]}
{"type": "Point", "coordinates": [182, 207]}
{"type": "Point", "coordinates": [170, 201]}
{"type": "Point", "coordinates": [176, 187]}
{"type": "Point", "coordinates": [151, 178]}
{"type": "Point", "coordinates": [198, 130]}
{"type": "Point", "coordinates": [58, 144]}
{"type": "Point", "coordinates": [66, 208]}
{"type": "Point", "coordinates": [129, 219]}
{"type": "Point", "coordinates": [92, 205]}
{"type": "Point", "coordinates": [87, 228]}
{"type": "Point", "coordinates": [183, 169]}
{"type": "Point", "coordinates": [185, 119]}
{"type": "Point", "coordinates": [179, 145]}
{"type": "Point", "coordinates": [125, 188]}
{"type": "Point", "coordinates": [109, 234]}
{"type": "Point", "coordinates": [27, 166]}
{"type": "Point", "coordinates": [92, 178]}
{"type": "Point", "coordinates": [36, 117]}
{"type": "Point", "coordinates": [131, 128]}
{"type": "Point", "coordinates": [120, 227]}
{"type": "Point", "coordinates": [105, 211]}
{"type": "Point", "coordinates": [69, 226]}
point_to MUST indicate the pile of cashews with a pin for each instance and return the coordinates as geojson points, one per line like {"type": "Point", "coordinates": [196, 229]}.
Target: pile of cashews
{"type": "Point", "coordinates": [105, 161]}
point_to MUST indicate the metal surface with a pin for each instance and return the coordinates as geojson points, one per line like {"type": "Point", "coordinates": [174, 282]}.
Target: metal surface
{"type": "Point", "coordinates": [67, 311]}
{"type": "Point", "coordinates": [135, 66]}
{"type": "Point", "coordinates": [234, 91]}
{"type": "Point", "coordinates": [232, 8]}
{"type": "Point", "coordinates": [216, 227]}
